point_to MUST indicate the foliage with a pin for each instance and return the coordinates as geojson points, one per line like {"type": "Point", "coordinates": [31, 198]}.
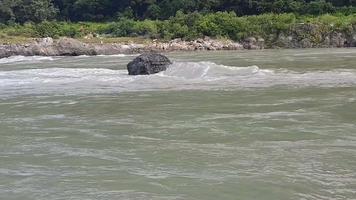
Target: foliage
{"type": "Point", "coordinates": [21, 11]}
{"type": "Point", "coordinates": [192, 26]}
{"type": "Point", "coordinates": [27, 10]}
{"type": "Point", "coordinates": [53, 29]}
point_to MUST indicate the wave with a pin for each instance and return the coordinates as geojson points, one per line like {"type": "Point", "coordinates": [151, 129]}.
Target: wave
{"type": "Point", "coordinates": [33, 59]}
{"type": "Point", "coordinates": [209, 70]}
{"type": "Point", "coordinates": [15, 59]}
{"type": "Point", "coordinates": [119, 55]}
{"type": "Point", "coordinates": [108, 56]}
{"type": "Point", "coordinates": [179, 76]}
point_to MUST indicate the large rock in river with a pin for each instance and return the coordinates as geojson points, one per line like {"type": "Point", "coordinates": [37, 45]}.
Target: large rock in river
{"type": "Point", "coordinates": [146, 64]}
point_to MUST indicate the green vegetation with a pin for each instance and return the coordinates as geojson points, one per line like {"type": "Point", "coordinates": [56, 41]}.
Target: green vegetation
{"type": "Point", "coordinates": [22, 11]}
{"type": "Point", "coordinates": [186, 26]}
{"type": "Point", "coordinates": [169, 19]}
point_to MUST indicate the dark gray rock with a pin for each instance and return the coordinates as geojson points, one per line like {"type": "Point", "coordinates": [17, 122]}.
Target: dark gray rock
{"type": "Point", "coordinates": [337, 40]}
{"type": "Point", "coordinates": [351, 41]}
{"type": "Point", "coordinates": [253, 43]}
{"type": "Point", "coordinates": [146, 64]}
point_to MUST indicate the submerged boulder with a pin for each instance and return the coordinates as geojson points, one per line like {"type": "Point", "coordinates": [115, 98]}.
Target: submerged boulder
{"type": "Point", "coordinates": [146, 64]}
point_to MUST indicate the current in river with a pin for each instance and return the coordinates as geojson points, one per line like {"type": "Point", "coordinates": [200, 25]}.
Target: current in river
{"type": "Point", "coordinates": [249, 125]}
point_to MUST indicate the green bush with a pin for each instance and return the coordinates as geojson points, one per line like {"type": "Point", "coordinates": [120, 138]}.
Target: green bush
{"type": "Point", "coordinates": [47, 29]}
{"type": "Point", "coordinates": [124, 27]}
{"type": "Point", "coordinates": [146, 28]}
{"type": "Point", "coordinates": [192, 25]}
{"type": "Point", "coordinates": [26, 30]}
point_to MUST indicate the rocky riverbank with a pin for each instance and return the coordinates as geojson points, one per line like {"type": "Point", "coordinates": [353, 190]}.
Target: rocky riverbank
{"type": "Point", "coordinates": [303, 36]}
{"type": "Point", "coordinates": [73, 47]}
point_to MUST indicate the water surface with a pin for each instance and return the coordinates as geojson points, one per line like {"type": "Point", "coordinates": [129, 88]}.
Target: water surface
{"type": "Point", "coordinates": [273, 124]}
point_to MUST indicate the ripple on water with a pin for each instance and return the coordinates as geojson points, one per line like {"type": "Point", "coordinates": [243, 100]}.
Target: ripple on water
{"type": "Point", "coordinates": [197, 131]}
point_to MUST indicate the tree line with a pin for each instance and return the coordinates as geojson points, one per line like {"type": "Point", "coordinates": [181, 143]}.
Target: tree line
{"type": "Point", "coordinates": [21, 11]}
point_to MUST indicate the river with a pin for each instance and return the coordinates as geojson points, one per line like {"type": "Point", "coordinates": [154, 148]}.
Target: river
{"type": "Point", "coordinates": [271, 124]}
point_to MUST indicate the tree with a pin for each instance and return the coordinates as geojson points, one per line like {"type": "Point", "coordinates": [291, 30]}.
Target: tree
{"type": "Point", "coordinates": [6, 10]}
{"type": "Point", "coordinates": [106, 10]}
{"type": "Point", "coordinates": [27, 10]}
{"type": "Point", "coordinates": [319, 7]}
{"type": "Point", "coordinates": [39, 10]}
{"type": "Point", "coordinates": [153, 11]}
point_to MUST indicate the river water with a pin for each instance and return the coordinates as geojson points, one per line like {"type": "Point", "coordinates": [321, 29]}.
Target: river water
{"type": "Point", "coordinates": [273, 124]}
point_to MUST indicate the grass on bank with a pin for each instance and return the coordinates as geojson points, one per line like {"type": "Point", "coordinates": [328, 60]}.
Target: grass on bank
{"type": "Point", "coordinates": [5, 39]}
{"type": "Point", "coordinates": [185, 26]}
{"type": "Point", "coordinates": [119, 40]}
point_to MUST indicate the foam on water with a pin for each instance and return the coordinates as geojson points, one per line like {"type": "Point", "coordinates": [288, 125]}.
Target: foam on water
{"type": "Point", "coordinates": [270, 131]}
{"type": "Point", "coordinates": [108, 56]}
{"type": "Point", "coordinates": [118, 55]}
{"type": "Point", "coordinates": [34, 59]}
{"type": "Point", "coordinates": [209, 70]}
{"type": "Point", "coordinates": [27, 59]}
{"type": "Point", "coordinates": [180, 76]}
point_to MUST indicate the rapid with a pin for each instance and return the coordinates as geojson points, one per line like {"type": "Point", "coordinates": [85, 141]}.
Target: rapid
{"type": "Point", "coordinates": [271, 124]}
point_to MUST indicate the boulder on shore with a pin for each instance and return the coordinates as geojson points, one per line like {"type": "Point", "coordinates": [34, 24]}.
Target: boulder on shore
{"type": "Point", "coordinates": [72, 47]}
{"type": "Point", "coordinates": [149, 63]}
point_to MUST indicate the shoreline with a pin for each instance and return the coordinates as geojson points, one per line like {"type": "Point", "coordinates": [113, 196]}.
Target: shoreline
{"type": "Point", "coordinates": [73, 47]}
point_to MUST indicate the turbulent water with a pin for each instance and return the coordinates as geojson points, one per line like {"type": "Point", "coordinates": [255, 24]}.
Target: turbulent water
{"type": "Point", "coordinates": [274, 124]}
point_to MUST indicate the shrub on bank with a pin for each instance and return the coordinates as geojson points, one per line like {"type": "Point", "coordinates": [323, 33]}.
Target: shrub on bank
{"type": "Point", "coordinates": [54, 29]}
{"type": "Point", "coordinates": [194, 25]}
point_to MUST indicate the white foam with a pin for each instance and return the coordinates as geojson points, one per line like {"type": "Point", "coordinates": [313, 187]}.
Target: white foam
{"type": "Point", "coordinates": [196, 70]}
{"type": "Point", "coordinates": [34, 59]}
{"type": "Point", "coordinates": [31, 59]}
{"type": "Point", "coordinates": [118, 55]}
{"type": "Point", "coordinates": [82, 56]}
{"type": "Point", "coordinates": [179, 76]}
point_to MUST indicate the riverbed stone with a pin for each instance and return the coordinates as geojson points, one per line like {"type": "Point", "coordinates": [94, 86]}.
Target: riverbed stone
{"type": "Point", "coordinates": [306, 43]}
{"type": "Point", "coordinates": [47, 41]}
{"type": "Point", "coordinates": [351, 41]}
{"type": "Point", "coordinates": [149, 63]}
{"type": "Point", "coordinates": [337, 40]}
{"type": "Point", "coordinates": [72, 47]}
